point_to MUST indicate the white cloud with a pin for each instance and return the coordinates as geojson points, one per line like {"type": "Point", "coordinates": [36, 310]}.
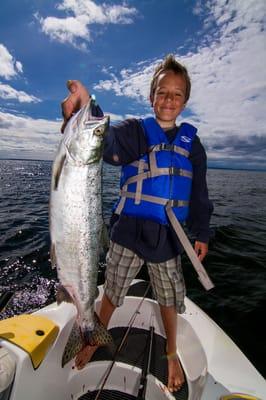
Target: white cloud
{"type": "Point", "coordinates": [75, 29]}
{"type": "Point", "coordinates": [8, 93]}
{"type": "Point", "coordinates": [131, 84]}
{"type": "Point", "coordinates": [228, 76]}
{"type": "Point", "coordinates": [100, 14]}
{"type": "Point", "coordinates": [9, 67]}
{"type": "Point", "coordinates": [20, 135]}
{"type": "Point", "coordinates": [65, 29]}
{"type": "Point", "coordinates": [25, 137]}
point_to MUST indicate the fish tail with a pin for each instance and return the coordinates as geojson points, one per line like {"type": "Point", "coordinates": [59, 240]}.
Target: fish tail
{"type": "Point", "coordinates": [73, 346]}
{"type": "Point", "coordinates": [99, 336]}
{"type": "Point", "coordinates": [79, 338]}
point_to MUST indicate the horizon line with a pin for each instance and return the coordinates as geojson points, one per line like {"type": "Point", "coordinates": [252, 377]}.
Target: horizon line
{"type": "Point", "coordinates": [209, 166]}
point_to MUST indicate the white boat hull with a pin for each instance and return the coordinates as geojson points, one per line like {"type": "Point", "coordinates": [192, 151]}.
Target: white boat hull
{"type": "Point", "coordinates": [214, 366]}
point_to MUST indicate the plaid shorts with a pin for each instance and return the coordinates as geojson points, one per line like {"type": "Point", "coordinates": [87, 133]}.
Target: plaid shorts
{"type": "Point", "coordinates": [166, 278]}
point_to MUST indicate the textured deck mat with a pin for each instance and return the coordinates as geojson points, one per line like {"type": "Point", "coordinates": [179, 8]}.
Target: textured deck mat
{"type": "Point", "coordinates": [108, 395]}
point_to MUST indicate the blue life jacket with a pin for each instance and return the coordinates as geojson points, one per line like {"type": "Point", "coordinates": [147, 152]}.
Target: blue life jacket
{"type": "Point", "coordinates": [161, 177]}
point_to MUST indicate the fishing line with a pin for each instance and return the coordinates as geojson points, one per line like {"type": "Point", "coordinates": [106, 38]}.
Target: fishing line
{"type": "Point", "coordinates": [118, 349]}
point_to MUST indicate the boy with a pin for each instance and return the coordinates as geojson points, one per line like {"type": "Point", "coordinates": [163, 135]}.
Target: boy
{"type": "Point", "coordinates": [160, 161]}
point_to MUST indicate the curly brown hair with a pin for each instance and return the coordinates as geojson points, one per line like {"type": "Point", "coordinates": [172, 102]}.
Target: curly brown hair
{"type": "Point", "coordinates": [170, 64]}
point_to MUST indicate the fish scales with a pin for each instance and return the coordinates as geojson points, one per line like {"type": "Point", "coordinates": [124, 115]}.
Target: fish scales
{"type": "Point", "coordinates": [78, 225]}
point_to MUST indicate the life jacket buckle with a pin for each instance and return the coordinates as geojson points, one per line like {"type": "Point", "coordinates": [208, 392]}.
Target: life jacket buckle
{"type": "Point", "coordinates": [174, 171]}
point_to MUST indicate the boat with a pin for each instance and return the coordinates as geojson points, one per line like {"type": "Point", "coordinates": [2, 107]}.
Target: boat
{"type": "Point", "coordinates": [134, 366]}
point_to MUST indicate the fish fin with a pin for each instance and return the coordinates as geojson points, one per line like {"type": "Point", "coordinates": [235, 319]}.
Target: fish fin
{"type": "Point", "coordinates": [63, 295]}
{"type": "Point", "coordinates": [99, 336]}
{"type": "Point", "coordinates": [97, 292]}
{"type": "Point", "coordinates": [74, 344]}
{"type": "Point", "coordinates": [58, 167]}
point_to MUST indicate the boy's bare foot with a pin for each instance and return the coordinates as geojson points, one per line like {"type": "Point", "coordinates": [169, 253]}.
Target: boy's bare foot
{"type": "Point", "coordinates": [84, 356]}
{"type": "Point", "coordinates": [175, 375]}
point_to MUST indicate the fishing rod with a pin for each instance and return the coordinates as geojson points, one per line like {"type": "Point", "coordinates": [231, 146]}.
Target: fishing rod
{"type": "Point", "coordinates": [146, 368]}
{"type": "Point", "coordinates": [124, 338]}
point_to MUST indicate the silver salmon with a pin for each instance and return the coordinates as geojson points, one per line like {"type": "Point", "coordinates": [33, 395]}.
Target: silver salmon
{"type": "Point", "coordinates": [76, 222]}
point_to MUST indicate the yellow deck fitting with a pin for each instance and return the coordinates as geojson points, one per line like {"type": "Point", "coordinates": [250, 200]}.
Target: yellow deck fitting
{"type": "Point", "coordinates": [238, 396]}
{"type": "Point", "coordinates": [34, 334]}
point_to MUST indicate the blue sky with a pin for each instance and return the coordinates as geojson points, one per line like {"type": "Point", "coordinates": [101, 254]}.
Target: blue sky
{"type": "Point", "coordinates": [113, 48]}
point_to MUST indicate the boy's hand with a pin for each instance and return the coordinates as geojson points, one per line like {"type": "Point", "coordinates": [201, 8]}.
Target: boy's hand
{"type": "Point", "coordinates": [77, 98]}
{"type": "Point", "coordinates": [201, 249]}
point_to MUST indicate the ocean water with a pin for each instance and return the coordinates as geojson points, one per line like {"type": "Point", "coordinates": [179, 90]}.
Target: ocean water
{"type": "Point", "coordinates": [236, 261]}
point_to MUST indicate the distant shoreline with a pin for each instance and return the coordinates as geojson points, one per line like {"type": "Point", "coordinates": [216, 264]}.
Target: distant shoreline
{"type": "Point", "coordinates": [209, 166]}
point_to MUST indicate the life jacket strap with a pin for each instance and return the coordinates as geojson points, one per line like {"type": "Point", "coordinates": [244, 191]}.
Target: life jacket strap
{"type": "Point", "coordinates": [146, 171]}
{"type": "Point", "coordinates": [120, 205]}
{"type": "Point", "coordinates": [139, 182]}
{"type": "Point", "coordinates": [136, 164]}
{"type": "Point", "coordinates": [153, 163]}
{"type": "Point", "coordinates": [169, 204]}
{"type": "Point", "coordinates": [169, 147]}
{"type": "Point", "coordinates": [145, 197]}
{"type": "Point", "coordinates": [158, 172]}
{"type": "Point", "coordinates": [202, 274]}
{"type": "Point", "coordinates": [178, 203]}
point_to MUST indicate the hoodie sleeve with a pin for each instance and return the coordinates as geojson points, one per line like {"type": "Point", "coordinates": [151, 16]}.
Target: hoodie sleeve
{"type": "Point", "coordinates": [124, 143]}
{"type": "Point", "coordinates": [201, 208]}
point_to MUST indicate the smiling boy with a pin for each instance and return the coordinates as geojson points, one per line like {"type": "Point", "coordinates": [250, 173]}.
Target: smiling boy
{"type": "Point", "coordinates": [162, 163]}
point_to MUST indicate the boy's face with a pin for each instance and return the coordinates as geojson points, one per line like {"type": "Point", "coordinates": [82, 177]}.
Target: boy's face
{"type": "Point", "coordinates": [169, 98]}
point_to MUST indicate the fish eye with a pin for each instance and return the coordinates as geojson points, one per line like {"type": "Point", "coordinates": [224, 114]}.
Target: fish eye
{"type": "Point", "coordinates": [98, 131]}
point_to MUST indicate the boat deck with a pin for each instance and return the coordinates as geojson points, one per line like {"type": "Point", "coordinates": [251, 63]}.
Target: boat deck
{"type": "Point", "coordinates": [134, 352]}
